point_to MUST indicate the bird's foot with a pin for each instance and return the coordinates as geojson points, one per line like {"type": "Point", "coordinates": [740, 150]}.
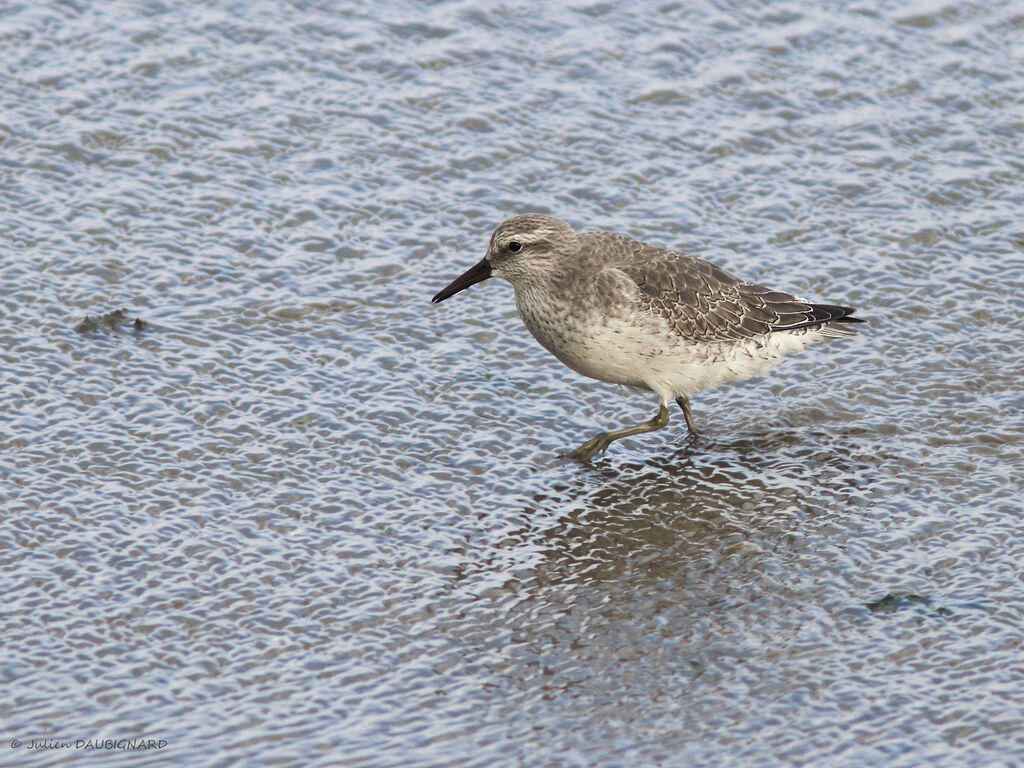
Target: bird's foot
{"type": "Point", "coordinates": [593, 446]}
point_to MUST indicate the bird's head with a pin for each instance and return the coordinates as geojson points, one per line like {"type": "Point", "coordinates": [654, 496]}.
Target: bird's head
{"type": "Point", "coordinates": [523, 247]}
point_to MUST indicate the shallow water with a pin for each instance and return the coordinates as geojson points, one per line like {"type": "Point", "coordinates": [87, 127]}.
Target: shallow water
{"type": "Point", "coordinates": [301, 516]}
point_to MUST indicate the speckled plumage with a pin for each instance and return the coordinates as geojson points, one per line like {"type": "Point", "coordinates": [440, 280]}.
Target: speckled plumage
{"type": "Point", "coordinates": [619, 310]}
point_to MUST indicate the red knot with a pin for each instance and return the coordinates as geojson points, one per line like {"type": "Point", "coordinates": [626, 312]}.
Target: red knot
{"type": "Point", "coordinates": [619, 310]}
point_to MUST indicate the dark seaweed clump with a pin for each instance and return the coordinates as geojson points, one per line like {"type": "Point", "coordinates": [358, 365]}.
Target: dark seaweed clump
{"type": "Point", "coordinates": [111, 321]}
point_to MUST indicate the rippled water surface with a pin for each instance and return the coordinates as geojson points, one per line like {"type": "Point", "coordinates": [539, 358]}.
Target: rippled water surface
{"type": "Point", "coordinates": [297, 515]}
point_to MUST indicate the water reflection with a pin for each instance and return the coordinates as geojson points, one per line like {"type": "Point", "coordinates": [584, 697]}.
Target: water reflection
{"type": "Point", "coordinates": [702, 507]}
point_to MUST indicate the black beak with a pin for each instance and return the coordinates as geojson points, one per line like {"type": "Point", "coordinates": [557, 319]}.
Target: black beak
{"type": "Point", "coordinates": [471, 276]}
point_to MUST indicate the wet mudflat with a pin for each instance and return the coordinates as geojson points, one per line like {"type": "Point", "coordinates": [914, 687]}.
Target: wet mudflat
{"type": "Point", "coordinates": [264, 502]}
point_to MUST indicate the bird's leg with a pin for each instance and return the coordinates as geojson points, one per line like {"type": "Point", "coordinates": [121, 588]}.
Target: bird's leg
{"type": "Point", "coordinates": [601, 442]}
{"type": "Point", "coordinates": [684, 402]}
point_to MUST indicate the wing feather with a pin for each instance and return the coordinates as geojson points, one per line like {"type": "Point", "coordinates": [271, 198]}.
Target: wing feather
{"type": "Point", "coordinates": [704, 302]}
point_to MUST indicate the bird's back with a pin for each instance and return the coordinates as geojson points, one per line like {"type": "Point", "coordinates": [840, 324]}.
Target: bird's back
{"type": "Point", "coordinates": [699, 300]}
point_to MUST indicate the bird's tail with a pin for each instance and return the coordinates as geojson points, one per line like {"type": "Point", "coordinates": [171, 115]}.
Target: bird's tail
{"type": "Point", "coordinates": [835, 319]}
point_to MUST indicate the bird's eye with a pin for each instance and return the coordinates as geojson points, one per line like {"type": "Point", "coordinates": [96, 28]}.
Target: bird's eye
{"type": "Point", "coordinates": [515, 246]}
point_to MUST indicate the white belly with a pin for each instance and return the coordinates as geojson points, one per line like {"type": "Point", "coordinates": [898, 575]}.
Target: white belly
{"type": "Point", "coordinates": [644, 353]}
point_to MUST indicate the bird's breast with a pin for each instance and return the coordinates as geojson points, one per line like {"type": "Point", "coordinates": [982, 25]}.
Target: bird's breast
{"type": "Point", "coordinates": [590, 340]}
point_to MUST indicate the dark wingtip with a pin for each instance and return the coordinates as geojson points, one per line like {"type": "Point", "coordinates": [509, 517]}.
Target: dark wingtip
{"type": "Point", "coordinates": [832, 313]}
{"type": "Point", "coordinates": [848, 318]}
{"type": "Point", "coordinates": [809, 315]}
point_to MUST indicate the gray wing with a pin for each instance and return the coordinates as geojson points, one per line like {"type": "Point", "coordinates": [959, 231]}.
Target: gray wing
{"type": "Point", "coordinates": [704, 302]}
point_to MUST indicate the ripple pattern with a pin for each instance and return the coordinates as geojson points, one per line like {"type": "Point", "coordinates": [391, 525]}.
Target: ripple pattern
{"type": "Point", "coordinates": [300, 516]}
